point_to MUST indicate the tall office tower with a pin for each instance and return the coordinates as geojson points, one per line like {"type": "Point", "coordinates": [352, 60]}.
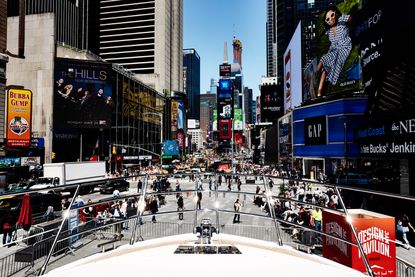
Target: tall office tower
{"type": "Point", "coordinates": [76, 20]}
{"type": "Point", "coordinates": [213, 84]}
{"type": "Point", "coordinates": [145, 37]}
{"type": "Point", "coordinates": [207, 104]}
{"type": "Point", "coordinates": [253, 111]}
{"type": "Point", "coordinates": [237, 51]}
{"type": "Point", "coordinates": [248, 105]}
{"type": "Point", "coordinates": [271, 37]}
{"type": "Point", "coordinates": [191, 71]}
{"type": "Point", "coordinates": [288, 14]}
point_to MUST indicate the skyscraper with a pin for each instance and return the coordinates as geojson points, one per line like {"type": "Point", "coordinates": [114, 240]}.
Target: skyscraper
{"type": "Point", "coordinates": [207, 104]}
{"type": "Point", "coordinates": [145, 37]}
{"type": "Point", "coordinates": [271, 37]}
{"type": "Point", "coordinates": [237, 51]}
{"type": "Point", "coordinates": [248, 105]}
{"type": "Point", "coordinates": [213, 84]}
{"type": "Point", "coordinates": [191, 71]}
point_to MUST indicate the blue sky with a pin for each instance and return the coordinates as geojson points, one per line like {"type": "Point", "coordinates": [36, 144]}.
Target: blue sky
{"type": "Point", "coordinates": [209, 23]}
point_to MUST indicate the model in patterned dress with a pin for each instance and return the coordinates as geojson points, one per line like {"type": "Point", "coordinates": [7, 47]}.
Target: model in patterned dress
{"type": "Point", "coordinates": [331, 64]}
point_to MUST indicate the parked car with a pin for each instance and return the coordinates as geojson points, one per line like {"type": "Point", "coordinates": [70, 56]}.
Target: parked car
{"type": "Point", "coordinates": [10, 205]}
{"type": "Point", "coordinates": [110, 186]}
{"type": "Point", "coordinates": [22, 186]}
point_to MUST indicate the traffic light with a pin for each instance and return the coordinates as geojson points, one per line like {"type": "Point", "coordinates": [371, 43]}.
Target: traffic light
{"type": "Point", "coordinates": [53, 155]}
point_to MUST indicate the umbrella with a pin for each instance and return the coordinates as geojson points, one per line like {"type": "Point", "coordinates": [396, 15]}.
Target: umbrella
{"type": "Point", "coordinates": [25, 217]}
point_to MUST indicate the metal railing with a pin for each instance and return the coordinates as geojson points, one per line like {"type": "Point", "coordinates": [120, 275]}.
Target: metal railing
{"type": "Point", "coordinates": [274, 232]}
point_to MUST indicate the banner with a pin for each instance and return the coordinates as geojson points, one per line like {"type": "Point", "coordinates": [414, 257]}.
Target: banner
{"type": "Point", "coordinates": [19, 117]}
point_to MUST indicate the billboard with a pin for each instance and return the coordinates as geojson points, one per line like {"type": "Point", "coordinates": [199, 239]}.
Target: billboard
{"type": "Point", "coordinates": [293, 72]}
{"type": "Point", "coordinates": [181, 115]}
{"type": "Point", "coordinates": [174, 115]}
{"type": "Point", "coordinates": [237, 120]}
{"type": "Point", "coordinates": [171, 148]}
{"type": "Point", "coordinates": [272, 102]}
{"type": "Point", "coordinates": [82, 94]}
{"type": "Point", "coordinates": [19, 117]}
{"type": "Point", "coordinates": [214, 120]}
{"type": "Point", "coordinates": [338, 68]}
{"type": "Point", "coordinates": [181, 140]}
{"type": "Point", "coordinates": [225, 129]}
{"type": "Point", "coordinates": [225, 70]}
{"type": "Point", "coordinates": [310, 81]}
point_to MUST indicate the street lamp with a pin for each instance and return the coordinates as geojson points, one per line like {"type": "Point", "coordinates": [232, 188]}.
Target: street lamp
{"type": "Point", "coordinates": [161, 136]}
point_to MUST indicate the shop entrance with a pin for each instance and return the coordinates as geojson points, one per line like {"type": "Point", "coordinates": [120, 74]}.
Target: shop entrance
{"type": "Point", "coordinates": [313, 168]}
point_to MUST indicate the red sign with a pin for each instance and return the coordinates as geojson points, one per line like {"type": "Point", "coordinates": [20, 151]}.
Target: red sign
{"type": "Point", "coordinates": [376, 233]}
{"type": "Point", "coordinates": [225, 129]}
{"type": "Point", "coordinates": [238, 138]}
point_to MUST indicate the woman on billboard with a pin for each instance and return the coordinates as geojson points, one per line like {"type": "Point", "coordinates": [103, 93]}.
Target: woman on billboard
{"type": "Point", "coordinates": [331, 64]}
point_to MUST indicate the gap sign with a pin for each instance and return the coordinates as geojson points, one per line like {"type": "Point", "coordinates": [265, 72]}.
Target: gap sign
{"type": "Point", "coordinates": [315, 130]}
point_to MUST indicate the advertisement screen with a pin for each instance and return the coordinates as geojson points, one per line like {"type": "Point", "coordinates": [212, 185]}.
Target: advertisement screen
{"type": "Point", "coordinates": [225, 89]}
{"type": "Point", "coordinates": [19, 117]}
{"type": "Point", "coordinates": [225, 129]}
{"type": "Point", "coordinates": [284, 136]}
{"type": "Point", "coordinates": [272, 102]}
{"type": "Point", "coordinates": [293, 72]}
{"type": "Point", "coordinates": [338, 68]}
{"type": "Point", "coordinates": [225, 70]}
{"type": "Point", "coordinates": [82, 94]}
{"type": "Point", "coordinates": [171, 148]}
{"type": "Point", "coordinates": [181, 116]}
{"type": "Point", "coordinates": [310, 81]}
{"type": "Point", "coordinates": [174, 115]}
{"type": "Point", "coordinates": [238, 124]}
{"type": "Point", "coordinates": [225, 110]}
{"type": "Point", "coordinates": [215, 120]}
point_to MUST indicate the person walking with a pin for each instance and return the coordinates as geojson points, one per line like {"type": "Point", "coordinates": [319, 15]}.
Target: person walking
{"type": "Point", "coordinates": [180, 206]}
{"type": "Point", "coordinates": [237, 207]}
{"type": "Point", "coordinates": [199, 200]}
{"type": "Point", "coordinates": [403, 228]}
{"type": "Point", "coordinates": [153, 208]}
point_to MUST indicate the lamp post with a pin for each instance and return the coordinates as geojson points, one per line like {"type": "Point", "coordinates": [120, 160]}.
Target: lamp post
{"type": "Point", "coordinates": [161, 136]}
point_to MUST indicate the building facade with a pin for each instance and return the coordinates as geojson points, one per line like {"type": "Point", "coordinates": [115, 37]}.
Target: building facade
{"type": "Point", "coordinates": [146, 38]}
{"type": "Point", "coordinates": [248, 105]}
{"type": "Point", "coordinates": [191, 73]}
{"type": "Point", "coordinates": [271, 38]}
{"type": "Point", "coordinates": [207, 105]}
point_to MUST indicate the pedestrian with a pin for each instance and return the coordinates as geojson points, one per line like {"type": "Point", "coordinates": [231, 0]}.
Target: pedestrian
{"type": "Point", "coordinates": [116, 212]}
{"type": "Point", "coordinates": [7, 230]}
{"type": "Point", "coordinates": [153, 208]}
{"type": "Point", "coordinates": [139, 186]}
{"type": "Point", "coordinates": [403, 228]}
{"type": "Point", "coordinates": [49, 214]}
{"type": "Point", "coordinates": [199, 200]}
{"type": "Point", "coordinates": [239, 185]}
{"type": "Point", "coordinates": [180, 206]}
{"type": "Point", "coordinates": [237, 207]}
{"type": "Point", "coordinates": [210, 182]}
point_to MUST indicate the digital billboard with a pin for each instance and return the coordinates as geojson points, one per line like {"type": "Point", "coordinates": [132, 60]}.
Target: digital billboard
{"type": "Point", "coordinates": [19, 117]}
{"type": "Point", "coordinates": [225, 70]}
{"type": "Point", "coordinates": [338, 67]}
{"type": "Point", "coordinates": [238, 120]}
{"type": "Point", "coordinates": [310, 81]}
{"type": "Point", "coordinates": [174, 115]}
{"type": "Point", "coordinates": [272, 102]}
{"type": "Point", "coordinates": [171, 148]}
{"type": "Point", "coordinates": [224, 89]}
{"type": "Point", "coordinates": [214, 120]}
{"type": "Point", "coordinates": [225, 129]}
{"type": "Point", "coordinates": [181, 115]}
{"type": "Point", "coordinates": [82, 94]}
{"type": "Point", "coordinates": [293, 72]}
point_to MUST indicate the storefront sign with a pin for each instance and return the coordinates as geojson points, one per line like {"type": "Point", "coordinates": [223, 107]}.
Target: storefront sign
{"type": "Point", "coordinates": [391, 138]}
{"type": "Point", "coordinates": [315, 130]}
{"type": "Point", "coordinates": [28, 161]}
{"type": "Point", "coordinates": [19, 117]}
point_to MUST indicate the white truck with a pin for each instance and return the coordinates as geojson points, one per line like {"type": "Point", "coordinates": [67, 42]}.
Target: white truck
{"type": "Point", "coordinates": [59, 174]}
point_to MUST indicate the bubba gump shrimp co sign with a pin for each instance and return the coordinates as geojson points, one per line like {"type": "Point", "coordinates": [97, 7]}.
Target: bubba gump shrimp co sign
{"type": "Point", "coordinates": [19, 117]}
